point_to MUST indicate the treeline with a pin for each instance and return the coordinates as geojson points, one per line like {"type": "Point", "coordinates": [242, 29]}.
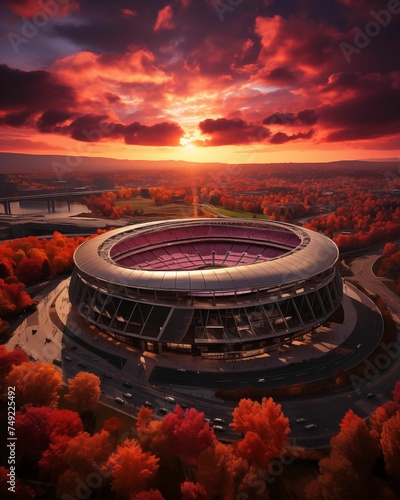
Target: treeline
{"type": "Point", "coordinates": [28, 261]}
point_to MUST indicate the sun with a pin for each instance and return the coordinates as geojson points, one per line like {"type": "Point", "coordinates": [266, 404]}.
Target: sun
{"type": "Point", "coordinates": [186, 142]}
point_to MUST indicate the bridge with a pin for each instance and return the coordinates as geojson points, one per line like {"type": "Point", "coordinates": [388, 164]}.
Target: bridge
{"type": "Point", "coordinates": [50, 198]}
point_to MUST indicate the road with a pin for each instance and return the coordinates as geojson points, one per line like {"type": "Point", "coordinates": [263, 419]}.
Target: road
{"type": "Point", "coordinates": [362, 269]}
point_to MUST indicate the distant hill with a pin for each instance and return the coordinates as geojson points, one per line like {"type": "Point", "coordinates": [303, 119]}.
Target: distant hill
{"type": "Point", "coordinates": [28, 163]}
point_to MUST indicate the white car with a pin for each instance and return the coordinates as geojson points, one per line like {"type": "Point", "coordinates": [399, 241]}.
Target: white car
{"type": "Point", "coordinates": [127, 395]}
{"type": "Point", "coordinates": [170, 399]}
{"type": "Point", "coordinates": [119, 401]}
{"type": "Point", "coordinates": [309, 427]}
{"type": "Point", "coordinates": [218, 428]}
{"type": "Point", "coordinates": [219, 420]}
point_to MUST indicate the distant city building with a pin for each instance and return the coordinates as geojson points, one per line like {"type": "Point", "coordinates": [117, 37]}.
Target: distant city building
{"type": "Point", "coordinates": [225, 288]}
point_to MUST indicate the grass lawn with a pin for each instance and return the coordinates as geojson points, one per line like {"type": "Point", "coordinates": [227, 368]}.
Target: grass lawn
{"type": "Point", "coordinates": [238, 213]}
{"type": "Point", "coordinates": [163, 210]}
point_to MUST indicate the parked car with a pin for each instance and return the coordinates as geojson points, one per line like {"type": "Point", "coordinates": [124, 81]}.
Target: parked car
{"type": "Point", "coordinates": [147, 404]}
{"type": "Point", "coordinates": [170, 399]}
{"type": "Point", "coordinates": [120, 401]}
{"type": "Point", "coordinates": [163, 410]}
{"type": "Point", "coordinates": [127, 384]}
{"type": "Point", "coordinates": [370, 395]}
{"type": "Point", "coordinates": [127, 395]}
{"type": "Point", "coordinates": [301, 420]}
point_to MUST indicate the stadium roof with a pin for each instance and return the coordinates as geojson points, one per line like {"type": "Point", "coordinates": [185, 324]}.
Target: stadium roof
{"type": "Point", "coordinates": [315, 254]}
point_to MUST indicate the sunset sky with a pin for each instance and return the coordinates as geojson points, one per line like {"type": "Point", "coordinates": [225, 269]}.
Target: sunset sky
{"type": "Point", "coordinates": [200, 80]}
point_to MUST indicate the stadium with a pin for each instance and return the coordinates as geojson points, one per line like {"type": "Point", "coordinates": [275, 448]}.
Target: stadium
{"type": "Point", "coordinates": [219, 288]}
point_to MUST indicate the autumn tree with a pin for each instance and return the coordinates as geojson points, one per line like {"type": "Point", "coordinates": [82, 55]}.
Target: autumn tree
{"type": "Point", "coordinates": [151, 434]}
{"type": "Point", "coordinates": [220, 471]}
{"type": "Point", "coordinates": [131, 468]}
{"type": "Point", "coordinates": [39, 427]}
{"type": "Point", "coordinates": [36, 383]}
{"type": "Point", "coordinates": [381, 415]}
{"type": "Point", "coordinates": [390, 440]}
{"type": "Point", "coordinates": [355, 442]}
{"type": "Point", "coordinates": [84, 391]}
{"type": "Point", "coordinates": [346, 473]}
{"type": "Point", "coordinates": [265, 430]}
{"type": "Point", "coordinates": [32, 430]}
{"type": "Point", "coordinates": [63, 425]}
{"type": "Point", "coordinates": [187, 432]}
{"type": "Point", "coordinates": [193, 491]}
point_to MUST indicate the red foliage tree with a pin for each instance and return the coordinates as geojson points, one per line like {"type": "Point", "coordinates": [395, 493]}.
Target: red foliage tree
{"type": "Point", "coordinates": [396, 392]}
{"type": "Point", "coordinates": [8, 360]}
{"type": "Point", "coordinates": [390, 439]}
{"type": "Point", "coordinates": [33, 432]}
{"type": "Point", "coordinates": [192, 491]}
{"type": "Point", "coordinates": [187, 432]}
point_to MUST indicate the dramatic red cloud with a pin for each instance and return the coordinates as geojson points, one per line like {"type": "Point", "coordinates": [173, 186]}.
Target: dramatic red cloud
{"type": "Point", "coordinates": [261, 78]}
{"type": "Point", "coordinates": [165, 19]}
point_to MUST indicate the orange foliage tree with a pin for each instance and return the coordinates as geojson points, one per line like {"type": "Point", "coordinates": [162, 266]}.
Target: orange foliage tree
{"type": "Point", "coordinates": [187, 432]}
{"type": "Point", "coordinates": [348, 468]}
{"type": "Point", "coordinates": [151, 434]}
{"type": "Point", "coordinates": [83, 458]}
{"type": "Point", "coordinates": [84, 391]}
{"type": "Point", "coordinates": [265, 428]}
{"type": "Point", "coordinates": [36, 383]}
{"type": "Point", "coordinates": [131, 468]}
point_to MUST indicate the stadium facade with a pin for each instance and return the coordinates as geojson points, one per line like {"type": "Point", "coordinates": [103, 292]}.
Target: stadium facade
{"type": "Point", "coordinates": [220, 288]}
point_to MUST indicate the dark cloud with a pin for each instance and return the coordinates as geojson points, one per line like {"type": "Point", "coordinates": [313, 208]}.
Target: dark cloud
{"type": "Point", "coordinates": [225, 131]}
{"type": "Point", "coordinates": [95, 128]}
{"type": "Point", "coordinates": [51, 118]}
{"type": "Point", "coordinates": [35, 90]}
{"type": "Point", "coordinates": [282, 138]}
{"type": "Point", "coordinates": [305, 117]}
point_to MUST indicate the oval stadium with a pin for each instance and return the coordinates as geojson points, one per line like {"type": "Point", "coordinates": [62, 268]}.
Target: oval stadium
{"type": "Point", "coordinates": [219, 288]}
